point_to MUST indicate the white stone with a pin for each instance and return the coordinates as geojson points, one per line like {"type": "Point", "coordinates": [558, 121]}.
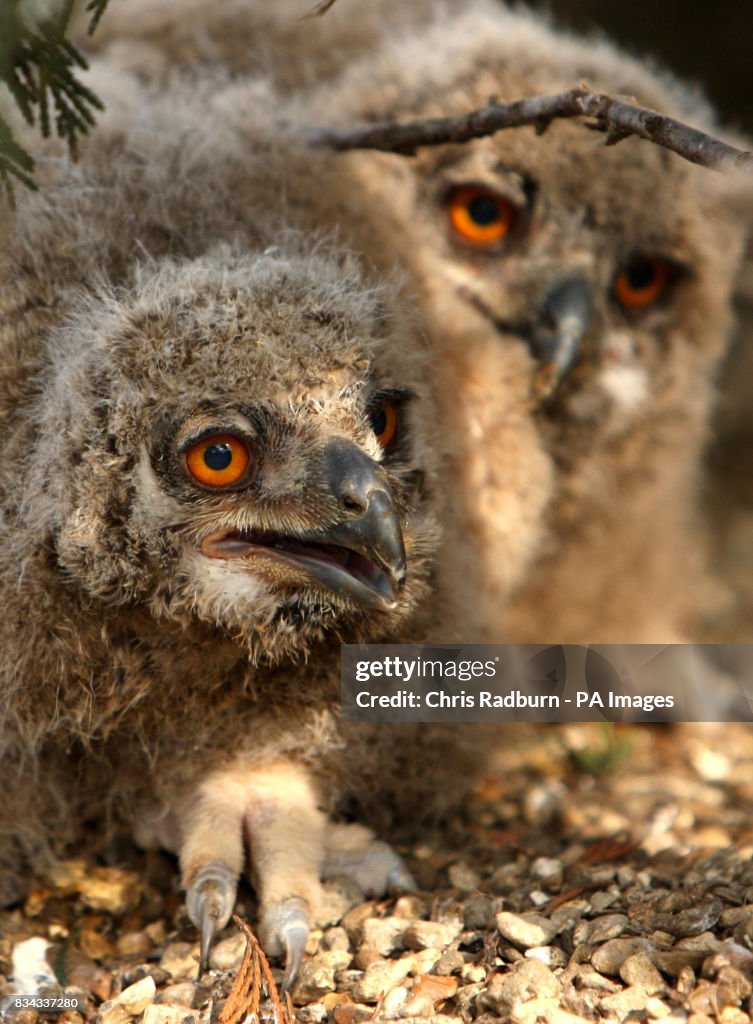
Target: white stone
{"type": "Point", "coordinates": [138, 996]}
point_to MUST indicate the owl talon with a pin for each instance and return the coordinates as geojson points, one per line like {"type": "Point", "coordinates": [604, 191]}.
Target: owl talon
{"type": "Point", "coordinates": [291, 935]}
{"type": "Point", "coordinates": [209, 901]}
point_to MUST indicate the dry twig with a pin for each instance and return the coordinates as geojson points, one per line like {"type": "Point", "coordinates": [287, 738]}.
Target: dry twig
{"type": "Point", "coordinates": [245, 996]}
{"type": "Point", "coordinates": [615, 116]}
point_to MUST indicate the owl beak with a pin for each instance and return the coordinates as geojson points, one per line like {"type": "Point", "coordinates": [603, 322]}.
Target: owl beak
{"type": "Point", "coordinates": [564, 318]}
{"type": "Point", "coordinates": [370, 526]}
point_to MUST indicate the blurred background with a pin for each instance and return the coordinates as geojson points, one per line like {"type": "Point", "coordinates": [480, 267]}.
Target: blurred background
{"type": "Point", "coordinates": [708, 43]}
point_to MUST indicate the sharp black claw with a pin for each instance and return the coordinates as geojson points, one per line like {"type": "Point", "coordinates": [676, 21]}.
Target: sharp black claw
{"type": "Point", "coordinates": [209, 902]}
{"type": "Point", "coordinates": [207, 932]}
{"type": "Point", "coordinates": [293, 934]}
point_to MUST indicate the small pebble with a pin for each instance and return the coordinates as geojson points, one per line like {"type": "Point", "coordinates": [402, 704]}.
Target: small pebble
{"type": "Point", "coordinates": [138, 996]}
{"type": "Point", "coordinates": [692, 921]}
{"type": "Point", "coordinates": [134, 944]}
{"type": "Point", "coordinates": [181, 960]}
{"type": "Point", "coordinates": [95, 945]}
{"type": "Point", "coordinates": [473, 973]}
{"type": "Point", "coordinates": [569, 914]}
{"type": "Point", "coordinates": [603, 900]}
{"type": "Point", "coordinates": [409, 907]}
{"type": "Point", "coordinates": [182, 994]}
{"type": "Point", "coordinates": [353, 921]}
{"type": "Point", "coordinates": [657, 1008]}
{"type": "Point", "coordinates": [622, 1003]}
{"type": "Point", "coordinates": [29, 967]}
{"type": "Point", "coordinates": [365, 957]}
{"type": "Point", "coordinates": [113, 1013]}
{"type": "Point", "coordinates": [463, 877]}
{"type": "Point", "coordinates": [83, 973]}
{"type": "Point", "coordinates": [529, 979]}
{"type": "Point", "coordinates": [526, 930]}
{"type": "Point", "coordinates": [612, 955]}
{"type": "Point", "coordinates": [542, 802]}
{"type": "Point", "coordinates": [348, 1012]}
{"type": "Point", "coordinates": [552, 956]}
{"type": "Point", "coordinates": [227, 954]}
{"type": "Point", "coordinates": [157, 932]}
{"type": "Point", "coordinates": [335, 938]}
{"type": "Point", "coordinates": [383, 934]}
{"type": "Point", "coordinates": [545, 867]}
{"type": "Point", "coordinates": [733, 1015]}
{"type": "Point", "coordinates": [426, 960]}
{"type": "Point", "coordinates": [156, 1014]}
{"type": "Point", "coordinates": [479, 911]}
{"type": "Point", "coordinates": [393, 1002]}
{"type": "Point", "coordinates": [588, 978]}
{"type": "Point", "coordinates": [427, 995]}
{"type": "Point", "coordinates": [431, 934]}
{"type": "Point", "coordinates": [601, 929]}
{"type": "Point", "coordinates": [450, 962]}
{"type": "Point", "coordinates": [317, 976]}
{"type": "Point", "coordinates": [314, 1013]}
{"type": "Point", "coordinates": [639, 971]}
{"type": "Point", "coordinates": [110, 889]}
{"type": "Point", "coordinates": [380, 977]}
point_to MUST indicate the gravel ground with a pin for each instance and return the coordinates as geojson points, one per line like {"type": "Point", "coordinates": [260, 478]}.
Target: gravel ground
{"type": "Point", "coordinates": [600, 874]}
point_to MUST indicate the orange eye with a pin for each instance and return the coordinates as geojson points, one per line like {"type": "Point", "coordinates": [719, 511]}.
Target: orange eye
{"type": "Point", "coordinates": [643, 282]}
{"type": "Point", "coordinates": [384, 423]}
{"type": "Point", "coordinates": [218, 461]}
{"type": "Point", "coordinates": [479, 214]}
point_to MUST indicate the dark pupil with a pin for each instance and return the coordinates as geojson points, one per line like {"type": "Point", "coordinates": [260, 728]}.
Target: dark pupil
{"type": "Point", "coordinates": [379, 422]}
{"type": "Point", "coordinates": [641, 275]}
{"type": "Point", "coordinates": [218, 456]}
{"type": "Point", "coordinates": [483, 210]}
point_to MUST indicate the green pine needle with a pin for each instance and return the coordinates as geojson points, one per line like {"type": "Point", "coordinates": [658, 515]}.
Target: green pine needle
{"type": "Point", "coordinates": [40, 68]}
{"type": "Point", "coordinates": [97, 8]}
{"type": "Point", "coordinates": [15, 163]}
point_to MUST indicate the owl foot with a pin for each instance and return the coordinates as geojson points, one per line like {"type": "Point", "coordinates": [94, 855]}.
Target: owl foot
{"type": "Point", "coordinates": [352, 850]}
{"type": "Point", "coordinates": [272, 811]}
{"type": "Point", "coordinates": [209, 903]}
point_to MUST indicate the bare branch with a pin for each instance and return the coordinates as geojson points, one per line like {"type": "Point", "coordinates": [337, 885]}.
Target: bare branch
{"type": "Point", "coordinates": [617, 117]}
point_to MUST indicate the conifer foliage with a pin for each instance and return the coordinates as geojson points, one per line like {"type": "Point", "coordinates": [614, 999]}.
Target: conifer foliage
{"type": "Point", "coordinates": [40, 68]}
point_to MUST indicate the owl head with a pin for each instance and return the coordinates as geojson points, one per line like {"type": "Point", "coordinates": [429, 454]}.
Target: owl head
{"type": "Point", "coordinates": [238, 439]}
{"type": "Point", "coordinates": [607, 268]}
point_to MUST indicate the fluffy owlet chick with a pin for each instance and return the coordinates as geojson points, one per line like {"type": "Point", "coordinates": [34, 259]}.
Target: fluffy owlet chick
{"type": "Point", "coordinates": [280, 39]}
{"type": "Point", "coordinates": [577, 297]}
{"type": "Point", "coordinates": [594, 281]}
{"type": "Point", "coordinates": [214, 470]}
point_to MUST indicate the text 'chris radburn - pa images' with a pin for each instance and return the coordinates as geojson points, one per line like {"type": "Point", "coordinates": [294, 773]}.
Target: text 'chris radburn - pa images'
{"type": "Point", "coordinates": [547, 683]}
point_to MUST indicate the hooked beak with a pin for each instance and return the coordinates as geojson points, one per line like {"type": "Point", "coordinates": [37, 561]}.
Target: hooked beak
{"type": "Point", "coordinates": [555, 332]}
{"type": "Point", "coordinates": [360, 557]}
{"type": "Point", "coordinates": [564, 317]}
